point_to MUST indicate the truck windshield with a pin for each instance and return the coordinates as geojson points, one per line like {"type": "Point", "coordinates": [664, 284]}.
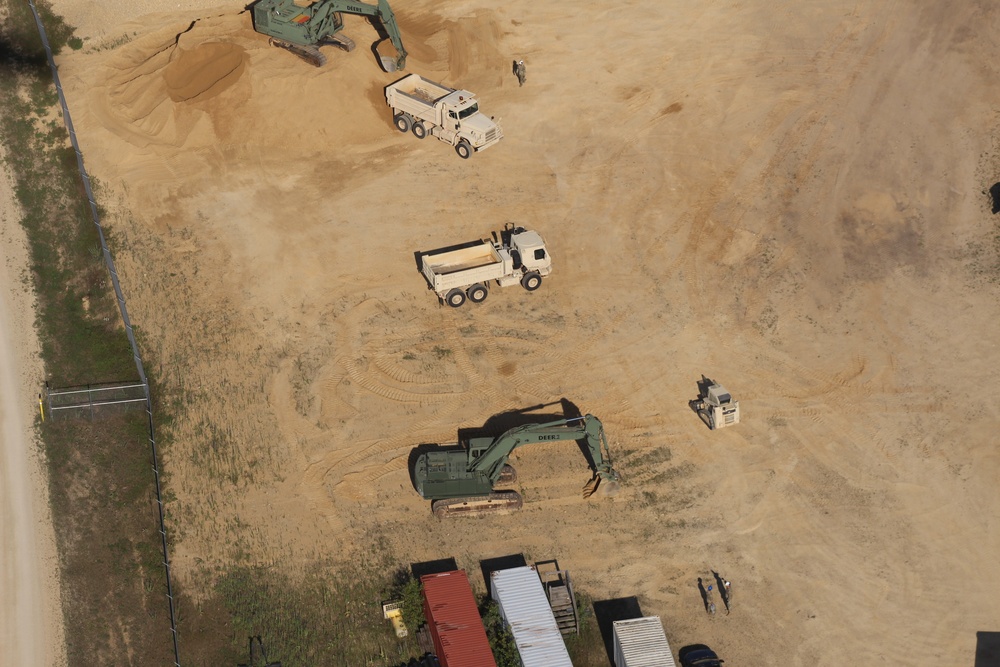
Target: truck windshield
{"type": "Point", "coordinates": [465, 113]}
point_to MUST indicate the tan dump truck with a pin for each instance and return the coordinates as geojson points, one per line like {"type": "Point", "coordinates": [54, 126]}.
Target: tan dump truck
{"type": "Point", "coordinates": [427, 108]}
{"type": "Point", "coordinates": [518, 256]}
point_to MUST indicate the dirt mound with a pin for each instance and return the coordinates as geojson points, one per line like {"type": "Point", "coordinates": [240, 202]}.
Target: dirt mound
{"type": "Point", "coordinates": [204, 71]}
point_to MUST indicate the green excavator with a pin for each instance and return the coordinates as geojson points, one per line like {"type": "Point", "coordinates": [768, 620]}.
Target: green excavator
{"type": "Point", "coordinates": [464, 480]}
{"type": "Point", "coordinates": [302, 26]}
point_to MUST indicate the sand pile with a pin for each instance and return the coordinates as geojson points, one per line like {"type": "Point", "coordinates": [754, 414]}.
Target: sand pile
{"type": "Point", "coordinates": [164, 88]}
{"type": "Point", "coordinates": [204, 71]}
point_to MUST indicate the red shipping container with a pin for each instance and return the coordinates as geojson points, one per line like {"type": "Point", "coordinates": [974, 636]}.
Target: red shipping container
{"type": "Point", "coordinates": [453, 619]}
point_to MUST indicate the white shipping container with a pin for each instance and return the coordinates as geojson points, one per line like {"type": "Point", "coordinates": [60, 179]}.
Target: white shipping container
{"type": "Point", "coordinates": [641, 642]}
{"type": "Point", "coordinates": [523, 605]}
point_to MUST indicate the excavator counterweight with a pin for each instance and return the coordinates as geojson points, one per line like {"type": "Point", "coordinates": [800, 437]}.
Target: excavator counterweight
{"type": "Point", "coordinates": [465, 480]}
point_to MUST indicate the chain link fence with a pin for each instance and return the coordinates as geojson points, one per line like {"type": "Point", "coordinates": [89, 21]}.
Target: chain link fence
{"type": "Point", "coordinates": [109, 261]}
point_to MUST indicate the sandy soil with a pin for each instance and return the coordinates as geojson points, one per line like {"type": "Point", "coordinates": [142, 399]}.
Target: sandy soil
{"type": "Point", "coordinates": [31, 629]}
{"type": "Point", "coordinates": [787, 197]}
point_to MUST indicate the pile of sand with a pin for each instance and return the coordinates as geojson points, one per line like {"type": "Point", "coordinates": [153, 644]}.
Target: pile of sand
{"type": "Point", "coordinates": [204, 71]}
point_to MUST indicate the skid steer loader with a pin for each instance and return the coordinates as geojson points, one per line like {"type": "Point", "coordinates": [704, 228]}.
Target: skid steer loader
{"type": "Point", "coordinates": [715, 405]}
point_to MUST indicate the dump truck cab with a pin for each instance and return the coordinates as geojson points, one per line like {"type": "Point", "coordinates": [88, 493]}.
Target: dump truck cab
{"type": "Point", "coordinates": [527, 249]}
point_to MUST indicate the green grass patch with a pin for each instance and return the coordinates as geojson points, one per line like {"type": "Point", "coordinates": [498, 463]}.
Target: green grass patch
{"type": "Point", "coordinates": [329, 614]}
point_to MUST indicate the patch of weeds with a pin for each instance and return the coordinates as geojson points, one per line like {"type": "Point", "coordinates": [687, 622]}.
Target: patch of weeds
{"type": "Point", "coordinates": [682, 470]}
{"type": "Point", "coordinates": [650, 458]}
{"type": "Point", "coordinates": [774, 421]}
{"type": "Point", "coordinates": [501, 640]}
{"type": "Point", "coordinates": [329, 614]}
{"type": "Point", "coordinates": [767, 321]}
{"type": "Point", "coordinates": [441, 352]}
{"type": "Point", "coordinates": [586, 648]}
{"type": "Point", "coordinates": [104, 510]}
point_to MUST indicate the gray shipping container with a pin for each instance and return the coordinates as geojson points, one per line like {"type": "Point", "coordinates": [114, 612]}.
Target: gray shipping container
{"type": "Point", "coordinates": [641, 642]}
{"type": "Point", "coordinates": [523, 605]}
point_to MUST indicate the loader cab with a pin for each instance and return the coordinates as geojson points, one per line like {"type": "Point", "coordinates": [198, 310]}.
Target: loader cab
{"type": "Point", "coordinates": [717, 395]}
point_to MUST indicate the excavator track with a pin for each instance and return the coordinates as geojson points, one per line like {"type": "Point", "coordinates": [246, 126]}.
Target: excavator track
{"type": "Point", "coordinates": [341, 41]}
{"type": "Point", "coordinates": [310, 54]}
{"type": "Point", "coordinates": [477, 505]}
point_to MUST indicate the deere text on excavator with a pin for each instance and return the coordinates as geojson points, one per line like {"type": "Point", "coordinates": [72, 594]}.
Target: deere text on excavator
{"type": "Point", "coordinates": [464, 481]}
{"type": "Point", "coordinates": [302, 26]}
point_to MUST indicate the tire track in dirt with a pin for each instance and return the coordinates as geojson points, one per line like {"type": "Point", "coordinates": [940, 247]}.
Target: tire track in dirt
{"type": "Point", "coordinates": [367, 466]}
{"type": "Point", "coordinates": [846, 391]}
{"type": "Point", "coordinates": [687, 265]}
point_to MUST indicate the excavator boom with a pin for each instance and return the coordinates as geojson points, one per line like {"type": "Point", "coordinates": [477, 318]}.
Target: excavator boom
{"type": "Point", "coordinates": [464, 480]}
{"type": "Point", "coordinates": [302, 26]}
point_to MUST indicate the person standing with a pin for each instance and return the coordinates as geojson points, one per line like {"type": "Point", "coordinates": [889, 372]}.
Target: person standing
{"type": "Point", "coordinates": [520, 73]}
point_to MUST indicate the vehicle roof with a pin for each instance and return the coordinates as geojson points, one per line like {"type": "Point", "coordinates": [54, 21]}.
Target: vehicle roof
{"type": "Point", "coordinates": [461, 98]}
{"type": "Point", "coordinates": [528, 238]}
{"type": "Point", "coordinates": [698, 654]}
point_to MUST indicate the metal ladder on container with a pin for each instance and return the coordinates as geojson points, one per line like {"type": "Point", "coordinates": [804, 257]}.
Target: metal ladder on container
{"type": "Point", "coordinates": [559, 591]}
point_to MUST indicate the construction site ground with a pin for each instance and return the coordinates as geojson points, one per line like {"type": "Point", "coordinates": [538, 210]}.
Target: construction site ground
{"type": "Point", "coordinates": [788, 197]}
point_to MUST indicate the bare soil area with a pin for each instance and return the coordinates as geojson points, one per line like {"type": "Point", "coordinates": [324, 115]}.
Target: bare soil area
{"type": "Point", "coordinates": [788, 197]}
{"type": "Point", "coordinates": [31, 623]}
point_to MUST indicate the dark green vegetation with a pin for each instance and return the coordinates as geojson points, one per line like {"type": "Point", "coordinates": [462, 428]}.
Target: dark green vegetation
{"type": "Point", "coordinates": [329, 614]}
{"type": "Point", "coordinates": [501, 640]}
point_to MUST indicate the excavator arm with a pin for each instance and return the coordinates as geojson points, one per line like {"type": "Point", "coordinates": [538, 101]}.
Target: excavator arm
{"type": "Point", "coordinates": [301, 26]}
{"type": "Point", "coordinates": [587, 430]}
{"type": "Point", "coordinates": [397, 61]}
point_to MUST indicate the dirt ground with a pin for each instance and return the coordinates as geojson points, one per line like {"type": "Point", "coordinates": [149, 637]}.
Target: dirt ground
{"type": "Point", "coordinates": [31, 622]}
{"type": "Point", "coordinates": [788, 197]}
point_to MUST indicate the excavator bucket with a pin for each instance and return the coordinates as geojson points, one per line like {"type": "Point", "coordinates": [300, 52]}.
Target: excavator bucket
{"type": "Point", "coordinates": [389, 57]}
{"type": "Point", "coordinates": [603, 488]}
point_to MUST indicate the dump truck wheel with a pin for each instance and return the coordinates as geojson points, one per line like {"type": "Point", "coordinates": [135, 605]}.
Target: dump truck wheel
{"type": "Point", "coordinates": [455, 298]}
{"type": "Point", "coordinates": [463, 149]}
{"type": "Point", "coordinates": [402, 122]}
{"type": "Point", "coordinates": [477, 293]}
{"type": "Point", "coordinates": [419, 131]}
{"type": "Point", "coordinates": [531, 281]}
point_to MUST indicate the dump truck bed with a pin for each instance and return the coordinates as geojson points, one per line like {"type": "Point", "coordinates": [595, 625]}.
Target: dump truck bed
{"type": "Point", "coordinates": [419, 88]}
{"type": "Point", "coordinates": [416, 96]}
{"type": "Point", "coordinates": [462, 265]}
